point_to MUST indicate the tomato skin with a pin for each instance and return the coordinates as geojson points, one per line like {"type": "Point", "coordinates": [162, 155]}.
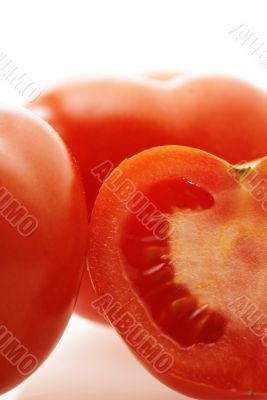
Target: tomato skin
{"type": "Point", "coordinates": [40, 272]}
{"type": "Point", "coordinates": [222, 370]}
{"type": "Point", "coordinates": [114, 119]}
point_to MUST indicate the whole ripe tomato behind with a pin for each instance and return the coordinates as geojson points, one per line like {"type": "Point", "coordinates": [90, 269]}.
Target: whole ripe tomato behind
{"type": "Point", "coordinates": [43, 226]}
{"type": "Point", "coordinates": [182, 274]}
{"type": "Point", "coordinates": [103, 120]}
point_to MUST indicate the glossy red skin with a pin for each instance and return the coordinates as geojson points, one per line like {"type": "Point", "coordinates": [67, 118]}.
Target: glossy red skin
{"type": "Point", "coordinates": [224, 370]}
{"type": "Point", "coordinates": [114, 119]}
{"type": "Point", "coordinates": [40, 273]}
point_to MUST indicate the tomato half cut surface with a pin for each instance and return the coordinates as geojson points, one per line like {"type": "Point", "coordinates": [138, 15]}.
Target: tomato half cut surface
{"type": "Point", "coordinates": [178, 257]}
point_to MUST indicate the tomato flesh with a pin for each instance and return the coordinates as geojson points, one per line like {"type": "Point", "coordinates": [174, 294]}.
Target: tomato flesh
{"type": "Point", "coordinates": [149, 265]}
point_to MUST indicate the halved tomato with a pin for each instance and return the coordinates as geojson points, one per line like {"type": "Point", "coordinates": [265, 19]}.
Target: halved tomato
{"type": "Point", "coordinates": [177, 255]}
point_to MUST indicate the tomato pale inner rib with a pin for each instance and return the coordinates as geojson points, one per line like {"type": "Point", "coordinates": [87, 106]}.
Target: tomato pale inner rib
{"type": "Point", "coordinates": [154, 271]}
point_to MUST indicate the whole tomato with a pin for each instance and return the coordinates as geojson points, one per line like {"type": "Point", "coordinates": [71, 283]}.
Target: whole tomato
{"type": "Point", "coordinates": [43, 225]}
{"type": "Point", "coordinates": [113, 119]}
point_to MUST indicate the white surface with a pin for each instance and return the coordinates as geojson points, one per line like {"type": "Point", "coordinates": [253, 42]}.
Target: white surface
{"type": "Point", "coordinates": [55, 40]}
{"type": "Point", "coordinates": [91, 362]}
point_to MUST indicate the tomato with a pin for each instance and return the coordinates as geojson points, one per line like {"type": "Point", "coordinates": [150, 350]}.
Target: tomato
{"type": "Point", "coordinates": [44, 233]}
{"type": "Point", "coordinates": [177, 255]}
{"type": "Point", "coordinates": [165, 76]}
{"type": "Point", "coordinates": [115, 119]}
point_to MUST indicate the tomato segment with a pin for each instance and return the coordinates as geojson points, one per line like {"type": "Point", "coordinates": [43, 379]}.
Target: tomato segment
{"type": "Point", "coordinates": [198, 288]}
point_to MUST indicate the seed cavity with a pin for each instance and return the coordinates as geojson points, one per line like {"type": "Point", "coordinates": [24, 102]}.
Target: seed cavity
{"type": "Point", "coordinates": [171, 304]}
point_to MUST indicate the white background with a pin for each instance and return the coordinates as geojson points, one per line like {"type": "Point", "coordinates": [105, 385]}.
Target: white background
{"type": "Point", "coordinates": [56, 40]}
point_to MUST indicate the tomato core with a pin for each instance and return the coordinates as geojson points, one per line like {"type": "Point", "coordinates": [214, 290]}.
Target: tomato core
{"type": "Point", "coordinates": [151, 267]}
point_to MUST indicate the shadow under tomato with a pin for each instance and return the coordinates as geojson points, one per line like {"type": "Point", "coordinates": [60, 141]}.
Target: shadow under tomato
{"type": "Point", "coordinates": [92, 363]}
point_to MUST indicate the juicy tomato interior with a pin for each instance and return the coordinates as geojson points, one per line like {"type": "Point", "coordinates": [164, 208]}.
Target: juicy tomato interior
{"type": "Point", "coordinates": [154, 274]}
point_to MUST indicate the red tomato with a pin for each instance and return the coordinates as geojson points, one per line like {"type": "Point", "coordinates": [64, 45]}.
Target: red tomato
{"type": "Point", "coordinates": [115, 119]}
{"type": "Point", "coordinates": [178, 257]}
{"type": "Point", "coordinates": [43, 225]}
